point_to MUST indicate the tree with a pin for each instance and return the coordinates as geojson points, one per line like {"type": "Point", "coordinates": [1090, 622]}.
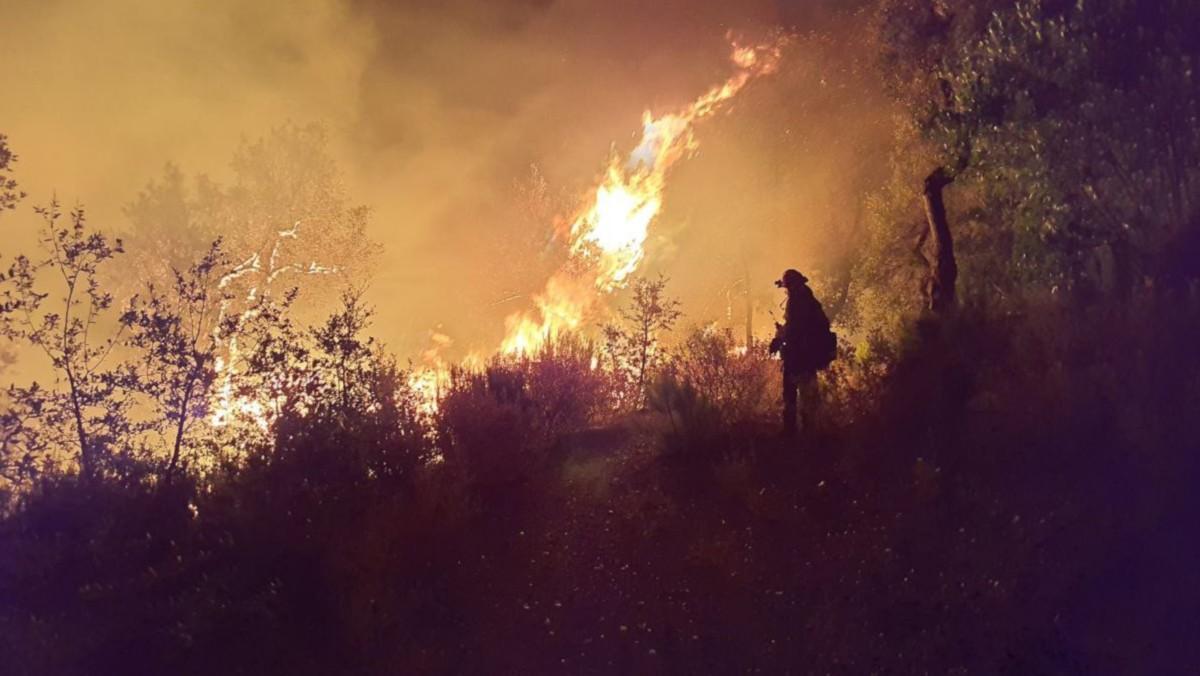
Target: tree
{"type": "Point", "coordinates": [10, 193]}
{"type": "Point", "coordinates": [1072, 124]}
{"type": "Point", "coordinates": [363, 394]}
{"type": "Point", "coordinates": [285, 219]}
{"type": "Point", "coordinates": [88, 408]}
{"type": "Point", "coordinates": [941, 283]}
{"type": "Point", "coordinates": [176, 338]}
{"type": "Point", "coordinates": [634, 348]}
{"type": "Point", "coordinates": [331, 399]}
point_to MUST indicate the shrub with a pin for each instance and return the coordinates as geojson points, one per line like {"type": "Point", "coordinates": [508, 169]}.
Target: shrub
{"type": "Point", "coordinates": [854, 383]}
{"type": "Point", "coordinates": [498, 424]}
{"type": "Point", "coordinates": [737, 379]}
{"type": "Point", "coordinates": [695, 428]}
{"type": "Point", "coordinates": [89, 570]}
{"type": "Point", "coordinates": [567, 388]}
{"type": "Point", "coordinates": [713, 391]}
{"type": "Point", "coordinates": [485, 423]}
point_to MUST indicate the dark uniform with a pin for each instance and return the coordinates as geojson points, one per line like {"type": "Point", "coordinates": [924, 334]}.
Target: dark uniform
{"type": "Point", "coordinates": [799, 342]}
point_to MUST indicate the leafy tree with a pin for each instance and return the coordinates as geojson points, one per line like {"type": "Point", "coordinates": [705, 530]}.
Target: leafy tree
{"type": "Point", "coordinates": [176, 338]}
{"type": "Point", "coordinates": [265, 374]}
{"type": "Point", "coordinates": [1081, 121]}
{"type": "Point", "coordinates": [634, 346]}
{"type": "Point", "coordinates": [285, 219]}
{"type": "Point", "coordinates": [361, 393]}
{"type": "Point", "coordinates": [329, 389]}
{"type": "Point", "coordinates": [343, 352]}
{"type": "Point", "coordinates": [10, 193]}
{"type": "Point", "coordinates": [88, 407]}
{"type": "Point", "coordinates": [1068, 126]}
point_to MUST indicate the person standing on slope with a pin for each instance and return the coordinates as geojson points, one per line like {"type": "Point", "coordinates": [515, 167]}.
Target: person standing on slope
{"type": "Point", "coordinates": [806, 345]}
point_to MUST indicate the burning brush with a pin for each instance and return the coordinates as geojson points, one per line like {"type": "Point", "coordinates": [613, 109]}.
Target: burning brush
{"type": "Point", "coordinates": [608, 233]}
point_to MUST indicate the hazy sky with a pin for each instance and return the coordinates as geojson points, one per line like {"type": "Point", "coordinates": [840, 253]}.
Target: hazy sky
{"type": "Point", "coordinates": [437, 110]}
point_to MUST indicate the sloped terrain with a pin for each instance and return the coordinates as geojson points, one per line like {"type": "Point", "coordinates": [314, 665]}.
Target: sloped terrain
{"type": "Point", "coordinates": [819, 558]}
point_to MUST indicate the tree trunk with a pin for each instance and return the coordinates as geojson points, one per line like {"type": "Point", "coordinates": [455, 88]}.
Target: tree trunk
{"type": "Point", "coordinates": [179, 430]}
{"type": "Point", "coordinates": [87, 465]}
{"type": "Point", "coordinates": [644, 357]}
{"type": "Point", "coordinates": [943, 269]}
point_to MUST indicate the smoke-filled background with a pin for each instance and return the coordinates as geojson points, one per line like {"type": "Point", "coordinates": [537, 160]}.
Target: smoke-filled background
{"type": "Point", "coordinates": [989, 468]}
{"type": "Point", "coordinates": [468, 128]}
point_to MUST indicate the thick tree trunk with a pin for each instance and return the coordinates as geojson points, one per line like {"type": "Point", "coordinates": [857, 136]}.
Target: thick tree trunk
{"type": "Point", "coordinates": [943, 269]}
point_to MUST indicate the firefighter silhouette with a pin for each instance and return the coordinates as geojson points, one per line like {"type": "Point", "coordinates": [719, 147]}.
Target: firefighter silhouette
{"type": "Point", "coordinates": [806, 345]}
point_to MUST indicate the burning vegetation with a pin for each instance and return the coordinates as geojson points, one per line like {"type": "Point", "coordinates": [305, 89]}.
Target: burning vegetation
{"type": "Point", "coordinates": [607, 238]}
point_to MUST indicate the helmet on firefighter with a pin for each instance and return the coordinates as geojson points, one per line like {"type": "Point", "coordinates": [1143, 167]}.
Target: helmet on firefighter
{"type": "Point", "coordinates": [791, 279]}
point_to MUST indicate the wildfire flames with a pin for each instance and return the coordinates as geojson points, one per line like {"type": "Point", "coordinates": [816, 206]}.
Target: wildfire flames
{"type": "Point", "coordinates": [606, 242]}
{"type": "Point", "coordinates": [608, 234]}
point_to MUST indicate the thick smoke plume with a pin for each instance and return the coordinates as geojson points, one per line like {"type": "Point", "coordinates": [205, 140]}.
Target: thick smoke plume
{"type": "Point", "coordinates": [468, 127]}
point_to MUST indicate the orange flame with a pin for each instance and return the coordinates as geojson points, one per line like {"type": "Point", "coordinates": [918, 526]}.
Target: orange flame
{"type": "Point", "coordinates": [606, 241]}
{"type": "Point", "coordinates": [608, 234]}
{"type": "Point", "coordinates": [430, 380]}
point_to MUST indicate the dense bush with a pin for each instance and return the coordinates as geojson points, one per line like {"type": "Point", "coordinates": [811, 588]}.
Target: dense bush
{"type": "Point", "coordinates": [851, 387]}
{"type": "Point", "coordinates": [338, 546]}
{"type": "Point", "coordinates": [693, 426]}
{"type": "Point", "coordinates": [714, 391]}
{"type": "Point", "coordinates": [1045, 383]}
{"type": "Point", "coordinates": [738, 379]}
{"type": "Point", "coordinates": [240, 561]}
{"type": "Point", "coordinates": [498, 424]}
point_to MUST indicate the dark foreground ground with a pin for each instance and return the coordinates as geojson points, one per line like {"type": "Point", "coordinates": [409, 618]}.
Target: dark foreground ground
{"type": "Point", "coordinates": [824, 558]}
{"type": "Point", "coordinates": [844, 556]}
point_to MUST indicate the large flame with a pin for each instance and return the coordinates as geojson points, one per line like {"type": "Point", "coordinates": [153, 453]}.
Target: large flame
{"type": "Point", "coordinates": [608, 234]}
{"type": "Point", "coordinates": [606, 241]}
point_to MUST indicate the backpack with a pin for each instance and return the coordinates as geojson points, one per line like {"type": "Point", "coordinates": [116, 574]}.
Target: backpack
{"type": "Point", "coordinates": [826, 350]}
{"type": "Point", "coordinates": [824, 341]}
{"type": "Point", "coordinates": [815, 342]}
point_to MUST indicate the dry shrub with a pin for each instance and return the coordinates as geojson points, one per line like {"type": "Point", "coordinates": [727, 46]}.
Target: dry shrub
{"type": "Point", "coordinates": [694, 427]}
{"type": "Point", "coordinates": [736, 379]}
{"type": "Point", "coordinates": [567, 389]}
{"type": "Point", "coordinates": [714, 391]}
{"type": "Point", "coordinates": [498, 424]}
{"type": "Point", "coordinates": [486, 424]}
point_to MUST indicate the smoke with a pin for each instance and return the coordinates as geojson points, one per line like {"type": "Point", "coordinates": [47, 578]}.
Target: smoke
{"type": "Point", "coordinates": [97, 97]}
{"type": "Point", "coordinates": [438, 111]}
